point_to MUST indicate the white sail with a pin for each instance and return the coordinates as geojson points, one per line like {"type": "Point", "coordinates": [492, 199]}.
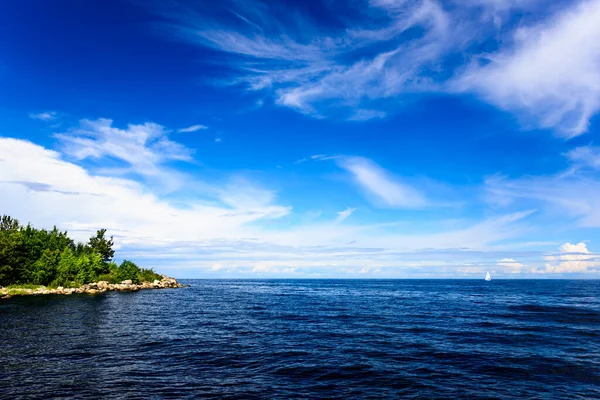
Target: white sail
{"type": "Point", "coordinates": [487, 276]}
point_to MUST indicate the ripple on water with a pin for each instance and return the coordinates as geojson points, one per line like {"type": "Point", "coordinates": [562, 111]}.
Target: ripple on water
{"type": "Point", "coordinates": [308, 339]}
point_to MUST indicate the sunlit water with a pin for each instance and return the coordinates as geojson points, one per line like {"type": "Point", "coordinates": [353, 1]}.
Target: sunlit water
{"type": "Point", "coordinates": [308, 339]}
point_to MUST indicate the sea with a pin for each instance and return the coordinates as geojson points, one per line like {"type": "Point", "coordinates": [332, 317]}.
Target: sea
{"type": "Point", "coordinates": [308, 339]}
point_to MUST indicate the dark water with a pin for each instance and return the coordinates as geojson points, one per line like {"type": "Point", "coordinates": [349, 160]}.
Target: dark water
{"type": "Point", "coordinates": [308, 339]}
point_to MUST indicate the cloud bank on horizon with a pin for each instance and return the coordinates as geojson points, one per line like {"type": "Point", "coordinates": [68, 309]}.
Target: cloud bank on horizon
{"type": "Point", "coordinates": [324, 171]}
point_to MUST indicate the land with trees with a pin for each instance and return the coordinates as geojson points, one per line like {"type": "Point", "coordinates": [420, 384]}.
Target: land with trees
{"type": "Point", "coordinates": [31, 257]}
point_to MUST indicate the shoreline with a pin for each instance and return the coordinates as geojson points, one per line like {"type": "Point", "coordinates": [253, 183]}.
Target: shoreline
{"type": "Point", "coordinates": [93, 288]}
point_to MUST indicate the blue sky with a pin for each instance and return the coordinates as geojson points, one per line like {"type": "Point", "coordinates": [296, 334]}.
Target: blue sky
{"type": "Point", "coordinates": [350, 139]}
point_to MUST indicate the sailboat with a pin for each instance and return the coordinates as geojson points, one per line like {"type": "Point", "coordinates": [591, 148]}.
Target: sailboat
{"type": "Point", "coordinates": [487, 276]}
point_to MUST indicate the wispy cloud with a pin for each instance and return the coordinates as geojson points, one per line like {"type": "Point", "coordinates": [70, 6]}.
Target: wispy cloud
{"type": "Point", "coordinates": [344, 214]}
{"type": "Point", "coordinates": [381, 185]}
{"type": "Point", "coordinates": [585, 156]}
{"type": "Point", "coordinates": [510, 265]}
{"type": "Point", "coordinates": [238, 224]}
{"type": "Point", "coordinates": [304, 67]}
{"type": "Point", "coordinates": [573, 194]}
{"type": "Point", "coordinates": [127, 207]}
{"type": "Point", "coordinates": [193, 128]}
{"type": "Point", "coordinates": [44, 116]}
{"type": "Point", "coordinates": [551, 73]}
{"type": "Point", "coordinates": [366, 115]}
{"type": "Point", "coordinates": [144, 149]}
{"type": "Point", "coordinates": [543, 69]}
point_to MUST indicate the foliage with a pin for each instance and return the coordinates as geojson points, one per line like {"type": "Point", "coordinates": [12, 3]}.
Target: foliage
{"type": "Point", "coordinates": [148, 275]}
{"type": "Point", "coordinates": [25, 286]}
{"type": "Point", "coordinates": [102, 246]}
{"type": "Point", "coordinates": [31, 257]}
{"type": "Point", "coordinates": [128, 270]}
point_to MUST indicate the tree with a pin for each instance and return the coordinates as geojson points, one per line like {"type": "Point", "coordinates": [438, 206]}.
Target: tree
{"type": "Point", "coordinates": [7, 257]}
{"type": "Point", "coordinates": [66, 271]}
{"type": "Point", "coordinates": [8, 224]}
{"type": "Point", "coordinates": [9, 240]}
{"type": "Point", "coordinates": [49, 257]}
{"type": "Point", "coordinates": [102, 246]}
{"type": "Point", "coordinates": [128, 270]}
{"type": "Point", "coordinates": [45, 267]}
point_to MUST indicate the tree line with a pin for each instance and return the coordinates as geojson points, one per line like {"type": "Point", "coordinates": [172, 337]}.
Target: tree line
{"type": "Point", "coordinates": [50, 258]}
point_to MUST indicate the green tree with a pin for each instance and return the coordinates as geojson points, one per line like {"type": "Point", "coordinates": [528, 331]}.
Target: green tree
{"type": "Point", "coordinates": [128, 270]}
{"type": "Point", "coordinates": [102, 245]}
{"type": "Point", "coordinates": [9, 250]}
{"type": "Point", "coordinates": [49, 257]}
{"type": "Point", "coordinates": [66, 272]}
{"type": "Point", "coordinates": [148, 275]}
{"type": "Point", "coordinates": [6, 258]}
{"type": "Point", "coordinates": [45, 267]}
{"type": "Point", "coordinates": [8, 224]}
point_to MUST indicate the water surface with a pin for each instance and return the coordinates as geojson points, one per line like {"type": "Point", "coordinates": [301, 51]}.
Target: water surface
{"type": "Point", "coordinates": [308, 339]}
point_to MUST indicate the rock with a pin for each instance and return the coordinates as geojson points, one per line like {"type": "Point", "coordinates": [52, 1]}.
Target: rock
{"type": "Point", "coordinates": [99, 287]}
{"type": "Point", "coordinates": [168, 283]}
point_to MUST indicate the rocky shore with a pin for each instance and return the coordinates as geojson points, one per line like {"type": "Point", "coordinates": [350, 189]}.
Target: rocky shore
{"type": "Point", "coordinates": [93, 288]}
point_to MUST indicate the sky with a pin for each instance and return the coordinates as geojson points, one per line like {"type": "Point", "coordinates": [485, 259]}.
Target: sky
{"type": "Point", "coordinates": [322, 139]}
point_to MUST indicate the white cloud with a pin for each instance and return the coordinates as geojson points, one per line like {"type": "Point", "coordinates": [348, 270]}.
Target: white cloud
{"type": "Point", "coordinates": [471, 270]}
{"type": "Point", "coordinates": [550, 75]}
{"type": "Point", "coordinates": [236, 226]}
{"type": "Point", "coordinates": [31, 176]}
{"type": "Point", "coordinates": [574, 248]}
{"type": "Point", "coordinates": [366, 115]}
{"type": "Point", "coordinates": [144, 149]}
{"type": "Point", "coordinates": [572, 258]}
{"type": "Point", "coordinates": [573, 194]}
{"type": "Point", "coordinates": [510, 265]}
{"type": "Point", "coordinates": [377, 182]}
{"type": "Point", "coordinates": [342, 215]}
{"type": "Point", "coordinates": [543, 64]}
{"type": "Point", "coordinates": [44, 116]}
{"type": "Point", "coordinates": [193, 128]}
{"type": "Point", "coordinates": [306, 71]}
{"type": "Point", "coordinates": [585, 156]}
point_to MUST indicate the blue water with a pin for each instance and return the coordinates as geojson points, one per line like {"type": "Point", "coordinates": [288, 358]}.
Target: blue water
{"type": "Point", "coordinates": [308, 339]}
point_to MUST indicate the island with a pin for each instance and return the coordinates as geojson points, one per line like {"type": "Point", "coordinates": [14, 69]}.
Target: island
{"type": "Point", "coordinates": [39, 262]}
